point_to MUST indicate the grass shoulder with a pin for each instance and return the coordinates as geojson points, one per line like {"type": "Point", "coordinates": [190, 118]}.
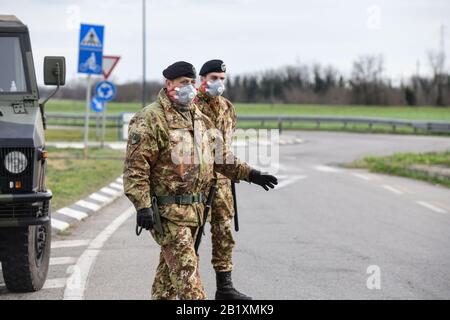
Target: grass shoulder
{"type": "Point", "coordinates": [433, 167]}
{"type": "Point", "coordinates": [71, 178]}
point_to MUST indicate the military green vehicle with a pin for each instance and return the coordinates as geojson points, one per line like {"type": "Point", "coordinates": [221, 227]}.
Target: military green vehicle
{"type": "Point", "coordinates": [25, 222]}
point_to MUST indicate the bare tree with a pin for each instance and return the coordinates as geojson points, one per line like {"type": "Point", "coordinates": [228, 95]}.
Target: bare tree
{"type": "Point", "coordinates": [366, 80]}
{"type": "Point", "coordinates": [437, 63]}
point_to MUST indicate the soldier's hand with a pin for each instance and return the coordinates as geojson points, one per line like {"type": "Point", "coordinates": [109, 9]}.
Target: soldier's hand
{"type": "Point", "coordinates": [145, 218]}
{"type": "Point", "coordinates": [264, 180]}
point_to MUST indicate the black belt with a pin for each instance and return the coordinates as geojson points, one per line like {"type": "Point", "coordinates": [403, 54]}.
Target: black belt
{"type": "Point", "coordinates": [181, 199]}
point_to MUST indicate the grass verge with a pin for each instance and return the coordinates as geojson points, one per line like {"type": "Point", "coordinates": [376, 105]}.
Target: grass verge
{"type": "Point", "coordinates": [401, 164]}
{"type": "Point", "coordinates": [71, 178]}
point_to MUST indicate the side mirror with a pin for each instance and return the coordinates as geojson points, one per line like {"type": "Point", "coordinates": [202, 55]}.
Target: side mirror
{"type": "Point", "coordinates": [54, 71]}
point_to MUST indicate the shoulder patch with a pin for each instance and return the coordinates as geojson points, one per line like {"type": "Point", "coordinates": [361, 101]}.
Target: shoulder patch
{"type": "Point", "coordinates": [135, 138]}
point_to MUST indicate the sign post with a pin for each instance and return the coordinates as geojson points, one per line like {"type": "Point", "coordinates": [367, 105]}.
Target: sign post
{"type": "Point", "coordinates": [109, 63]}
{"type": "Point", "coordinates": [90, 58]}
{"type": "Point", "coordinates": [105, 91]}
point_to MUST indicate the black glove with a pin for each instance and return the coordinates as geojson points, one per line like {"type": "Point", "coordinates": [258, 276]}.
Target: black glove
{"type": "Point", "coordinates": [145, 218]}
{"type": "Point", "coordinates": [264, 180]}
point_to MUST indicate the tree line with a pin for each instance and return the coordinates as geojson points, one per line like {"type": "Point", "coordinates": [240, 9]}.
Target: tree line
{"type": "Point", "coordinates": [315, 84]}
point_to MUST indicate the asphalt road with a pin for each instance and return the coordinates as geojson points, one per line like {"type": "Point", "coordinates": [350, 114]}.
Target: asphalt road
{"type": "Point", "coordinates": [324, 233]}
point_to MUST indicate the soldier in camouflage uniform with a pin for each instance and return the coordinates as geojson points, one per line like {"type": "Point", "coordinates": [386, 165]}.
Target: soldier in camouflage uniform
{"type": "Point", "coordinates": [222, 112]}
{"type": "Point", "coordinates": [168, 168]}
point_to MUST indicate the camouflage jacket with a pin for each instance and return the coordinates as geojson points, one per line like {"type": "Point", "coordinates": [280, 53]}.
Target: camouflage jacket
{"type": "Point", "coordinates": [220, 110]}
{"type": "Point", "coordinates": [170, 154]}
{"type": "Point", "coordinates": [222, 113]}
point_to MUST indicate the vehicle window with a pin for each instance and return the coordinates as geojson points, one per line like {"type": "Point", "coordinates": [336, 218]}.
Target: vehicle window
{"type": "Point", "coordinates": [12, 75]}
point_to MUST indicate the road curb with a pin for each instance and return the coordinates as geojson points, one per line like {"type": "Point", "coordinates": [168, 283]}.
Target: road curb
{"type": "Point", "coordinates": [64, 218]}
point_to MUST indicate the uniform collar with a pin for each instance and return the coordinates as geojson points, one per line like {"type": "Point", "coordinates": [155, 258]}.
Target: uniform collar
{"type": "Point", "coordinates": [212, 102]}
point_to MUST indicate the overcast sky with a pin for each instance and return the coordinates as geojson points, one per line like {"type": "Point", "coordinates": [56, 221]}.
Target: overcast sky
{"type": "Point", "coordinates": [249, 35]}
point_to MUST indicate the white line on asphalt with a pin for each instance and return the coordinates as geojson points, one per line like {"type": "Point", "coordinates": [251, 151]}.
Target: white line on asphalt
{"type": "Point", "coordinates": [51, 283]}
{"type": "Point", "coordinates": [88, 205]}
{"type": "Point", "coordinates": [362, 176]}
{"type": "Point", "coordinates": [54, 283]}
{"type": "Point", "coordinates": [116, 186]}
{"type": "Point", "coordinates": [76, 283]}
{"type": "Point", "coordinates": [443, 206]}
{"type": "Point", "coordinates": [69, 243]}
{"type": "Point", "coordinates": [110, 191]}
{"type": "Point", "coordinates": [72, 213]}
{"type": "Point", "coordinates": [327, 169]}
{"type": "Point", "coordinates": [99, 197]}
{"type": "Point", "coordinates": [62, 260]}
{"type": "Point", "coordinates": [392, 189]}
{"type": "Point", "coordinates": [59, 225]}
{"type": "Point", "coordinates": [431, 207]}
{"type": "Point", "coordinates": [288, 181]}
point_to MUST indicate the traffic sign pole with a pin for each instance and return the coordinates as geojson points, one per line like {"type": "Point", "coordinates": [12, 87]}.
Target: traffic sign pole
{"type": "Point", "coordinates": [86, 118]}
{"type": "Point", "coordinates": [103, 125]}
{"type": "Point", "coordinates": [90, 56]}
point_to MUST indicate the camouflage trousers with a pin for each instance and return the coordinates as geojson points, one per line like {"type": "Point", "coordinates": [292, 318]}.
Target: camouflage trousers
{"type": "Point", "coordinates": [222, 213]}
{"type": "Point", "coordinates": [177, 272]}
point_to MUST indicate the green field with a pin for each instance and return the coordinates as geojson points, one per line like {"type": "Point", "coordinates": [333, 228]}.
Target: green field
{"type": "Point", "coordinates": [75, 133]}
{"type": "Point", "coordinates": [394, 112]}
{"type": "Point", "coordinates": [400, 164]}
{"type": "Point", "coordinates": [71, 178]}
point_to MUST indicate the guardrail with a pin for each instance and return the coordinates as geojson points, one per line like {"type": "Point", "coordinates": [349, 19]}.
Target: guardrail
{"type": "Point", "coordinates": [118, 122]}
{"type": "Point", "coordinates": [429, 126]}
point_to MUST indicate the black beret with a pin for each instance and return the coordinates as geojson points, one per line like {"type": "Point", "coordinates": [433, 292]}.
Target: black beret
{"type": "Point", "coordinates": [180, 69]}
{"type": "Point", "coordinates": [213, 66]}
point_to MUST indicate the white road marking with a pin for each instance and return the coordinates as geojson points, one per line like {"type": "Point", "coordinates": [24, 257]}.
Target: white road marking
{"type": "Point", "coordinates": [76, 283]}
{"type": "Point", "coordinates": [392, 189]}
{"type": "Point", "coordinates": [62, 260]}
{"type": "Point", "coordinates": [51, 283]}
{"type": "Point", "coordinates": [431, 207]}
{"type": "Point", "coordinates": [116, 186]}
{"type": "Point", "coordinates": [272, 169]}
{"type": "Point", "coordinates": [327, 169]}
{"type": "Point", "coordinates": [69, 243]}
{"type": "Point", "coordinates": [288, 181]}
{"type": "Point", "coordinates": [88, 205]}
{"type": "Point", "coordinates": [110, 191]}
{"type": "Point", "coordinates": [59, 225]}
{"type": "Point", "coordinates": [72, 213]}
{"type": "Point", "coordinates": [99, 197]}
{"type": "Point", "coordinates": [54, 283]}
{"type": "Point", "coordinates": [443, 206]}
{"type": "Point", "coordinates": [404, 189]}
{"type": "Point", "coordinates": [362, 176]}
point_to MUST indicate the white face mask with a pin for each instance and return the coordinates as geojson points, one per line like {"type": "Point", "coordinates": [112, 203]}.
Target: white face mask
{"type": "Point", "coordinates": [186, 94]}
{"type": "Point", "coordinates": [215, 88]}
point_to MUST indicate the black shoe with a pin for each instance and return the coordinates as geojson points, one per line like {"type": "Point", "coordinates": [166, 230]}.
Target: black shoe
{"type": "Point", "coordinates": [225, 289]}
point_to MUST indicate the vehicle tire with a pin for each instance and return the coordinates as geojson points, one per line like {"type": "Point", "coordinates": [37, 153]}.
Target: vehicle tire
{"type": "Point", "coordinates": [26, 257]}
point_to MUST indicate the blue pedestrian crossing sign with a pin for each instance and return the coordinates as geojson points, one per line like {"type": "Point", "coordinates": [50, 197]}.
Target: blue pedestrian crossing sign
{"type": "Point", "coordinates": [97, 105]}
{"type": "Point", "coordinates": [105, 91]}
{"type": "Point", "coordinates": [90, 55]}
